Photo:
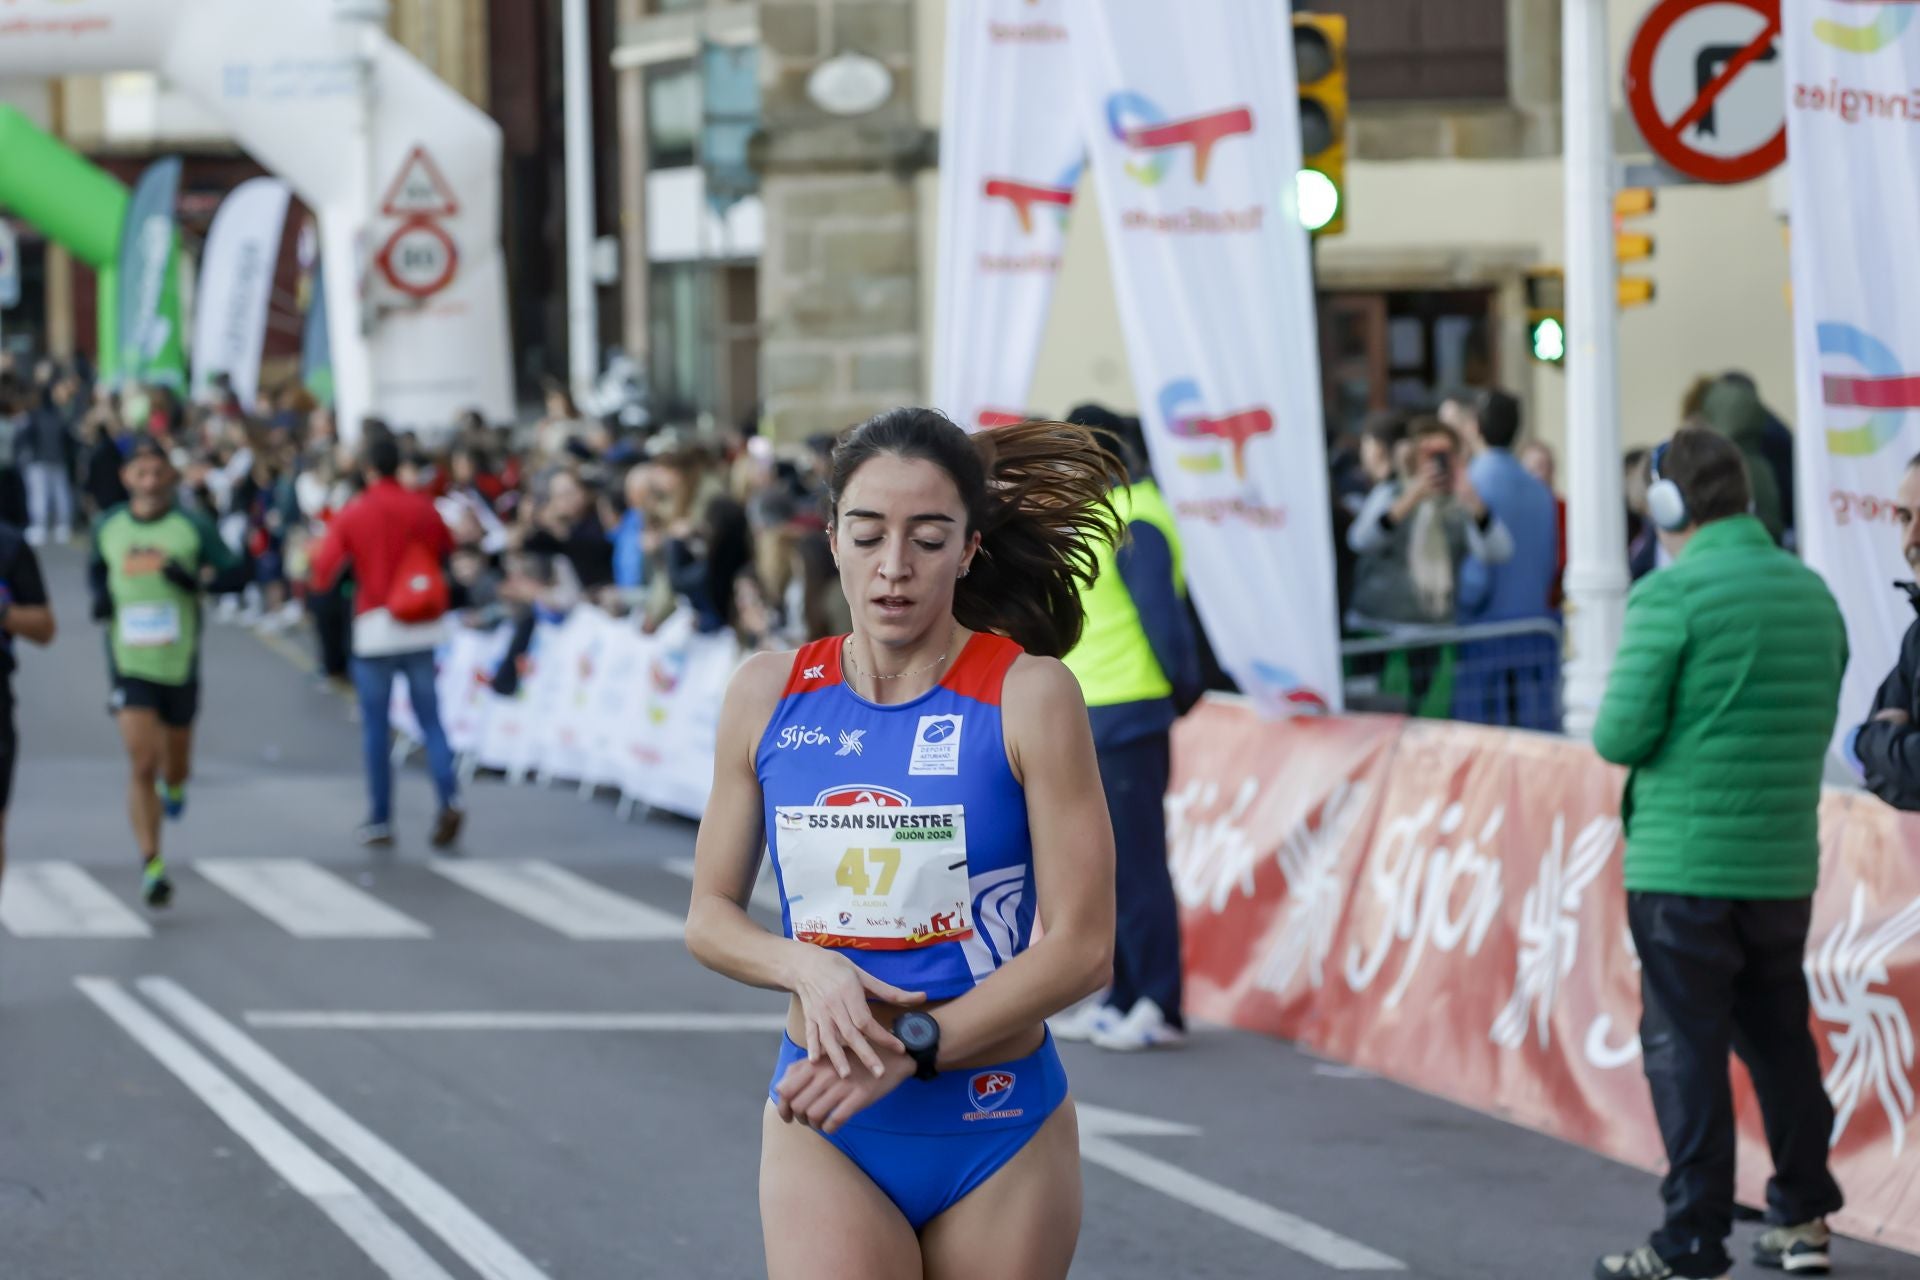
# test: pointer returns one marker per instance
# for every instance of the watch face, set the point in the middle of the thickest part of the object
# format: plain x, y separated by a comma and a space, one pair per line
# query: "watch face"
916, 1031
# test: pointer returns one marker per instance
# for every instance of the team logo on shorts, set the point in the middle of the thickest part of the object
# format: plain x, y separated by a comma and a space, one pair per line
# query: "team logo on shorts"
990, 1090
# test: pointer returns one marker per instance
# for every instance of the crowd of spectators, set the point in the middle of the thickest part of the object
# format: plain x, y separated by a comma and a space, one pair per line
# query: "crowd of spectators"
1443, 519
544, 517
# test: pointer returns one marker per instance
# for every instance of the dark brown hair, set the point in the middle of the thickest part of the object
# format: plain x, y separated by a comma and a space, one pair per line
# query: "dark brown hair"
1036, 492
1710, 472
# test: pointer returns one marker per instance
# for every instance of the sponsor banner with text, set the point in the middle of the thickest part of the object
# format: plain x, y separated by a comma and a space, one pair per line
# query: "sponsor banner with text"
1192, 131
1853, 129
1442, 904
1010, 154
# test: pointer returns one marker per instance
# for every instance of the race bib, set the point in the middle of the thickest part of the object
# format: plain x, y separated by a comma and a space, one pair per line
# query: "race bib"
891, 879
149, 626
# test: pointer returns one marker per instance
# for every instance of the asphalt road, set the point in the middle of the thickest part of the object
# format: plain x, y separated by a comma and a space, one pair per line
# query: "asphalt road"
318, 1065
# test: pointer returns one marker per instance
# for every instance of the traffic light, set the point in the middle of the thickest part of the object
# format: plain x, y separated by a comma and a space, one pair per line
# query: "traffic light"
1547, 314
1320, 66
1632, 246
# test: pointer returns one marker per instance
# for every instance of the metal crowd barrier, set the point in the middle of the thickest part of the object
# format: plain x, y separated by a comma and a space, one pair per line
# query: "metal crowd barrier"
1503, 673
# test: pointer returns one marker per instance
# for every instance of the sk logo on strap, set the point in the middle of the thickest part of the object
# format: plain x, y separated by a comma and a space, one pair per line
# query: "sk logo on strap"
815, 673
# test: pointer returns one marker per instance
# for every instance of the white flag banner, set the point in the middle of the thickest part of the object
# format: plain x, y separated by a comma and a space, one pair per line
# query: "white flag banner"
1010, 154
236, 282
1193, 132
1851, 71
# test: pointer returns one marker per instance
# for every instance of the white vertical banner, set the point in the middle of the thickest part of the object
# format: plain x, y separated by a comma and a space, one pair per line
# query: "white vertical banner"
1010, 153
1851, 71
236, 283
1193, 131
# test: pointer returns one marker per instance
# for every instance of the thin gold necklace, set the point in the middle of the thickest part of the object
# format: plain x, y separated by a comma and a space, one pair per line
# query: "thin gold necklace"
903, 674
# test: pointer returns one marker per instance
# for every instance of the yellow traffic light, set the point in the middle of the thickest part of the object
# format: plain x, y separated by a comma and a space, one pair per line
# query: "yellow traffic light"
1632, 246
1320, 65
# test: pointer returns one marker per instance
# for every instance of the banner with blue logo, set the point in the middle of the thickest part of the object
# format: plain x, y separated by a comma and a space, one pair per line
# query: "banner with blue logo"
1192, 124
1853, 131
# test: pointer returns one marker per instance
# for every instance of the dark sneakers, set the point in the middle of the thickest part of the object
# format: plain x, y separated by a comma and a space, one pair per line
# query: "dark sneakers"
1642, 1264
1803, 1248
446, 827
155, 888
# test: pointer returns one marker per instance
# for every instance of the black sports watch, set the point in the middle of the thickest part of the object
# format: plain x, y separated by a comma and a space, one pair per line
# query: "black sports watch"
921, 1036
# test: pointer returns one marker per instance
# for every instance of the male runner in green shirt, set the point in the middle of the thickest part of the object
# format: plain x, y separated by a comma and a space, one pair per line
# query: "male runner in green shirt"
150, 562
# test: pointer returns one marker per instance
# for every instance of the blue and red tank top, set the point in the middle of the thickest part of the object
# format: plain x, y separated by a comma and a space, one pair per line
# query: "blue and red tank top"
899, 833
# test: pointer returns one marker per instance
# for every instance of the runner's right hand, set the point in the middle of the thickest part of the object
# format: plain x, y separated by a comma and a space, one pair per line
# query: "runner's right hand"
834, 993
179, 575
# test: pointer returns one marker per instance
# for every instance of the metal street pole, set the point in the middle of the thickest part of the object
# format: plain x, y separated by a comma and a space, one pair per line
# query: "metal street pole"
583, 316
1596, 579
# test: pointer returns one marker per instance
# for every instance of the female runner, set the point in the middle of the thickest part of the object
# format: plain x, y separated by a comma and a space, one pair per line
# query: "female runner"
924, 783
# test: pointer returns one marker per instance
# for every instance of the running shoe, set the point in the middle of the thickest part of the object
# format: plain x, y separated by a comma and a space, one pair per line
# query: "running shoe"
1144, 1027
1083, 1019
172, 799
154, 885
375, 835
446, 827
1642, 1264
1802, 1248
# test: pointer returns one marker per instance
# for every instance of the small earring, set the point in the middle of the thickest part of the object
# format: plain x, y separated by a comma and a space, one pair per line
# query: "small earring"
965, 569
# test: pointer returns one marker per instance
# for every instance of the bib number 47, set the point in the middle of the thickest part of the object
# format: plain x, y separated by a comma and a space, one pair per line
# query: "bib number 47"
852, 873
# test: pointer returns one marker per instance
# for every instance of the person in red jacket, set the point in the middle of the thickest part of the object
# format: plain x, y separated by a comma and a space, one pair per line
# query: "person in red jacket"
393, 538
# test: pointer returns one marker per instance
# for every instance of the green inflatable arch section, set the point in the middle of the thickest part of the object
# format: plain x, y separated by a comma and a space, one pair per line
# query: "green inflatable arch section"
80, 207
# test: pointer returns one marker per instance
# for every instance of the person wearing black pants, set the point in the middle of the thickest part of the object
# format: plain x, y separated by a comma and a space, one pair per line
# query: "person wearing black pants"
1721, 703
1139, 667
1719, 974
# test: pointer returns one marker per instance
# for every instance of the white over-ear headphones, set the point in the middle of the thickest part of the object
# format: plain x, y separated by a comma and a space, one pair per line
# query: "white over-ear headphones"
1665, 503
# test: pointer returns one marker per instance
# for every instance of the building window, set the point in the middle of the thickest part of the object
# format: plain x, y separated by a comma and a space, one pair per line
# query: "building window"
1406, 50
673, 116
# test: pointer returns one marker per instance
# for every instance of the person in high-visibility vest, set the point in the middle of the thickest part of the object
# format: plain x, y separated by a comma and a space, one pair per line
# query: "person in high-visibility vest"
1139, 667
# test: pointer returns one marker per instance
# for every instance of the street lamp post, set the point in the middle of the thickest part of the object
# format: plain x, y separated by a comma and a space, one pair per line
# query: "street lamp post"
1596, 517
583, 316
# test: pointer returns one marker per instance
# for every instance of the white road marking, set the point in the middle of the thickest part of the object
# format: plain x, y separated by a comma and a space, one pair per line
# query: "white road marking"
1309, 1239
766, 889
60, 900
354, 1020
562, 901
307, 901
483, 1249
392, 1250
1104, 1122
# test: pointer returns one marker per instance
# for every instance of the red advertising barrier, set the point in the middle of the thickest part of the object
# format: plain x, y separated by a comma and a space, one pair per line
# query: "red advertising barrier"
1442, 904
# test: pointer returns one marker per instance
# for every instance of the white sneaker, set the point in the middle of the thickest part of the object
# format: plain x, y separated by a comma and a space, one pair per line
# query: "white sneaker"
1144, 1027
1082, 1020
36, 537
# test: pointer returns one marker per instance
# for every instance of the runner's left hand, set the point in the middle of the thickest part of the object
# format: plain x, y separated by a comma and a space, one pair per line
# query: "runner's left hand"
817, 1096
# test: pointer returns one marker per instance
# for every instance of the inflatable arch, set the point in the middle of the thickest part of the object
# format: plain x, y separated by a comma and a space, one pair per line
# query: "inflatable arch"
80, 207
402, 171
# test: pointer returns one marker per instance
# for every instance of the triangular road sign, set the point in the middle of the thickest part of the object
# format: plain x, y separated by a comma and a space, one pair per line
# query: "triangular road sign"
419, 190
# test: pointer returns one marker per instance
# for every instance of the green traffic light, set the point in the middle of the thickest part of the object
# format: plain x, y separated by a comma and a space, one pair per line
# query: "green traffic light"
1549, 340
1317, 198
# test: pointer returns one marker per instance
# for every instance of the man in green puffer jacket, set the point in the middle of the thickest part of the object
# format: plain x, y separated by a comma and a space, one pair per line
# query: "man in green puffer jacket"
1721, 704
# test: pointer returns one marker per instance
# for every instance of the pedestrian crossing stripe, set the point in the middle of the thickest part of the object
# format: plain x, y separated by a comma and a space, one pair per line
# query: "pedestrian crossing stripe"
61, 899
561, 900
308, 902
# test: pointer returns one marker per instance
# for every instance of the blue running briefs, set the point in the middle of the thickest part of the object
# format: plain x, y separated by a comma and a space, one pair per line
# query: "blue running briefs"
930, 1142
